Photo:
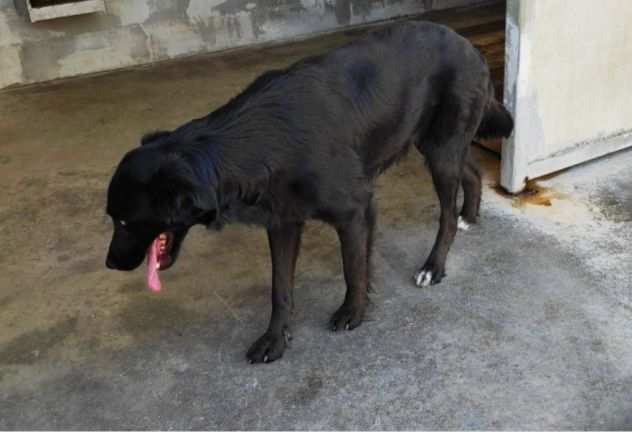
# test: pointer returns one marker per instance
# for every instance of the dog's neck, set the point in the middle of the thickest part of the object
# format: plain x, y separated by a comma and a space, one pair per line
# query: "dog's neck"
224, 152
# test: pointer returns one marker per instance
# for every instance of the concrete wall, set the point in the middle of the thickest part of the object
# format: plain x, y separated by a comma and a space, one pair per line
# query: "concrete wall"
134, 32
569, 83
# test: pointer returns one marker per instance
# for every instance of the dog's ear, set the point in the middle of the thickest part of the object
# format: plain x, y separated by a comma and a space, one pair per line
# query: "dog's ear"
179, 191
200, 204
154, 136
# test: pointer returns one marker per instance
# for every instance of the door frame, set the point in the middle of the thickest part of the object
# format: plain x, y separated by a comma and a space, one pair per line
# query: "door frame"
517, 165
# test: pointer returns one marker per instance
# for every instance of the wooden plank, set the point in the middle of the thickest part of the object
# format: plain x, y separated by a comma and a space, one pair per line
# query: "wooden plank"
475, 30
460, 19
488, 39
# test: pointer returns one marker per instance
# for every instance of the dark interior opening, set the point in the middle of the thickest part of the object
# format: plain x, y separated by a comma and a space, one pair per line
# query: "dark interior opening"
44, 3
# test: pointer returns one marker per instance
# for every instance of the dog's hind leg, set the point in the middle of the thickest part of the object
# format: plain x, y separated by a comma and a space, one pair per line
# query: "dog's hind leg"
370, 216
355, 236
446, 162
472, 189
284, 244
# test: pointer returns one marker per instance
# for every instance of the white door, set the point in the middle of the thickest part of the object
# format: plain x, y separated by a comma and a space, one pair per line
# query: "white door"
568, 82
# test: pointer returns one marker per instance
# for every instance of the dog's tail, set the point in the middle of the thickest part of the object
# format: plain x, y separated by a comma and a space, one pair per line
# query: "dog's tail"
497, 121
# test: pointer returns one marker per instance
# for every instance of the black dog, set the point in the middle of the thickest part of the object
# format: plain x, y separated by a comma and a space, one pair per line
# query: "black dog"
307, 142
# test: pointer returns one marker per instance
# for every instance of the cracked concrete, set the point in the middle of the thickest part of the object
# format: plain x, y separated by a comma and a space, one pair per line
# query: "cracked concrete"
531, 329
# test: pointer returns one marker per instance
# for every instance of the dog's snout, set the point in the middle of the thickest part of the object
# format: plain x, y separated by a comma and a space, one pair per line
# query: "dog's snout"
123, 263
109, 263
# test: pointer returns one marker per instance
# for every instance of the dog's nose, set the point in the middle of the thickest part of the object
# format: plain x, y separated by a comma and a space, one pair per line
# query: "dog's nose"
109, 263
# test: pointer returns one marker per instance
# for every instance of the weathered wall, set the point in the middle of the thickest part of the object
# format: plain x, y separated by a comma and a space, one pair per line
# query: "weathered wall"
134, 32
569, 83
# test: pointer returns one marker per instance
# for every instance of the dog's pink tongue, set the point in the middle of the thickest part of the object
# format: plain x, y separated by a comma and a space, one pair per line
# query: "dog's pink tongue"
153, 280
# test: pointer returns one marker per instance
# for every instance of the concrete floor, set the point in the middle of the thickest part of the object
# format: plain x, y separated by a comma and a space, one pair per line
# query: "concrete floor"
531, 329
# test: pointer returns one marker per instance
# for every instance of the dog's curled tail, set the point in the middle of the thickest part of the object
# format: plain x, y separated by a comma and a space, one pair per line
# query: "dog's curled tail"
497, 121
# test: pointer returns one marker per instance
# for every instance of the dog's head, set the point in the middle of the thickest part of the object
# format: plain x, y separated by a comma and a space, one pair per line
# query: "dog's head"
155, 194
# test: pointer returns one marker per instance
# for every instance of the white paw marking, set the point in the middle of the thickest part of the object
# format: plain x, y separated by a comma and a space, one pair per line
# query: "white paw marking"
462, 225
423, 278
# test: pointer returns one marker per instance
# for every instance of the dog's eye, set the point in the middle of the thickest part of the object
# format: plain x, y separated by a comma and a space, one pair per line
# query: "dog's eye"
123, 223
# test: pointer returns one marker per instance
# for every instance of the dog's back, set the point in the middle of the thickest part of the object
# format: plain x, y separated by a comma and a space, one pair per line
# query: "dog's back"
345, 116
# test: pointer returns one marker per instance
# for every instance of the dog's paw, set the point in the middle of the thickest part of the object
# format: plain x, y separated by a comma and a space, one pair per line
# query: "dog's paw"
346, 318
462, 224
269, 347
423, 278
427, 276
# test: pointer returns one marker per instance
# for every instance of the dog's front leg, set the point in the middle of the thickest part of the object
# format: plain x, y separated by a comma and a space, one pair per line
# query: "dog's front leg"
284, 247
355, 241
